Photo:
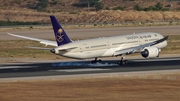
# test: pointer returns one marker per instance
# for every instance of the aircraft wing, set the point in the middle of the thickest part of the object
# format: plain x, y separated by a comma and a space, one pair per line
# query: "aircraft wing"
139, 48
46, 42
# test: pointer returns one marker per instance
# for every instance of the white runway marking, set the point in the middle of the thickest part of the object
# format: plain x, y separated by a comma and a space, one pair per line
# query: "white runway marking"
159, 59
99, 75
101, 65
80, 70
82, 64
16, 67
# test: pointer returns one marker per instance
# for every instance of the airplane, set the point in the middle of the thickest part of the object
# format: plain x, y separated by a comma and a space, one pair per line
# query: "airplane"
148, 44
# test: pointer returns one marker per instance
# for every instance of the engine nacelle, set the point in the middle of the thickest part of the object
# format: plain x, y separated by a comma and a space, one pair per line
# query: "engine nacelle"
150, 52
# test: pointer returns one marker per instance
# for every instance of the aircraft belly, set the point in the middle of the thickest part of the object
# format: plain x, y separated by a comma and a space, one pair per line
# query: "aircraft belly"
86, 54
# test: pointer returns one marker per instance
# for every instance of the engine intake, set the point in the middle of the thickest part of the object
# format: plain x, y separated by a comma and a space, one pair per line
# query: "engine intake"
150, 52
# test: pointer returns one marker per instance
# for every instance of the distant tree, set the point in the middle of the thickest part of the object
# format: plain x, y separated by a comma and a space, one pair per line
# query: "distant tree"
118, 8
93, 2
97, 4
42, 5
138, 8
54, 2
81, 3
158, 6
150, 8
107, 8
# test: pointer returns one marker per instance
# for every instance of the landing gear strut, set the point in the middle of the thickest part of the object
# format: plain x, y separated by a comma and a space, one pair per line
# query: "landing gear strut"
122, 61
95, 61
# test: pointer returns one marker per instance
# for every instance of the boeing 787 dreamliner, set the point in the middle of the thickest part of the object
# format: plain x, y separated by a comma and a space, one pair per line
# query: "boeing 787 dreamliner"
148, 44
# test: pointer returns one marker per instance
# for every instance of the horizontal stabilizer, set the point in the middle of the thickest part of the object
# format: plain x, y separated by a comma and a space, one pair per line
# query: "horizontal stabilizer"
46, 42
25, 37
41, 48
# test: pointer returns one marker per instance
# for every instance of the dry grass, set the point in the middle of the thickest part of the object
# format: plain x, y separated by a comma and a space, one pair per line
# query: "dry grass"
67, 13
173, 45
100, 18
18, 49
91, 89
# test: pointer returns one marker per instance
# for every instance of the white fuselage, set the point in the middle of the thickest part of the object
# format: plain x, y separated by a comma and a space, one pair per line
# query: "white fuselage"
106, 46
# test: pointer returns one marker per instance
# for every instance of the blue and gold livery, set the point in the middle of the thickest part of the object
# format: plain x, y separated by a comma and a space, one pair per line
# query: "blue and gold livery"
60, 35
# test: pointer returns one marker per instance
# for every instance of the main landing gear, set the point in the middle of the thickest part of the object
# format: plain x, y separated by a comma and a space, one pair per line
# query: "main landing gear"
96, 61
122, 61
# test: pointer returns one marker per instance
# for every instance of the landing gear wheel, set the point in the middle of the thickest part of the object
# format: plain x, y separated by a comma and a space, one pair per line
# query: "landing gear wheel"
99, 60
123, 62
96, 61
93, 61
126, 61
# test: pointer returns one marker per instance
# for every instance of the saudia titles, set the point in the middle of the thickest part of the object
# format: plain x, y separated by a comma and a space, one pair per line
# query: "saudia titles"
139, 37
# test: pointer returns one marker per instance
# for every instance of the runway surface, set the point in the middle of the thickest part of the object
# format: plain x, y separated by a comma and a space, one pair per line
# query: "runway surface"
86, 67
85, 33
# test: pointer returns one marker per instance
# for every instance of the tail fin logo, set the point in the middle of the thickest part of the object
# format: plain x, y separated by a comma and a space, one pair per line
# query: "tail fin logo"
60, 35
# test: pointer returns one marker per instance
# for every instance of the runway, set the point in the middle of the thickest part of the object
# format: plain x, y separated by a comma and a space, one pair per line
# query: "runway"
86, 67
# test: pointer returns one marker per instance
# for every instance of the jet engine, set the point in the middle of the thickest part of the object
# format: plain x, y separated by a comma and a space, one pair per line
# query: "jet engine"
150, 52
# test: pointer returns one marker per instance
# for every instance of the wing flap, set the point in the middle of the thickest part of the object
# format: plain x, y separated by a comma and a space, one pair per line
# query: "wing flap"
124, 51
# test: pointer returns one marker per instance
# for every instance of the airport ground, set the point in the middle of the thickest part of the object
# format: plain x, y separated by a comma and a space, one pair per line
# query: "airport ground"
139, 80
148, 86
90, 89
19, 52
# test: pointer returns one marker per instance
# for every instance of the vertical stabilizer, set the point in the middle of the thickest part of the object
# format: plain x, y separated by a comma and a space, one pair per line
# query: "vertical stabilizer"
60, 35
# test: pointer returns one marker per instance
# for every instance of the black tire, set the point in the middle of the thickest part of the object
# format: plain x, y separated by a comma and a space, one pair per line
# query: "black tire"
124, 62
93, 62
